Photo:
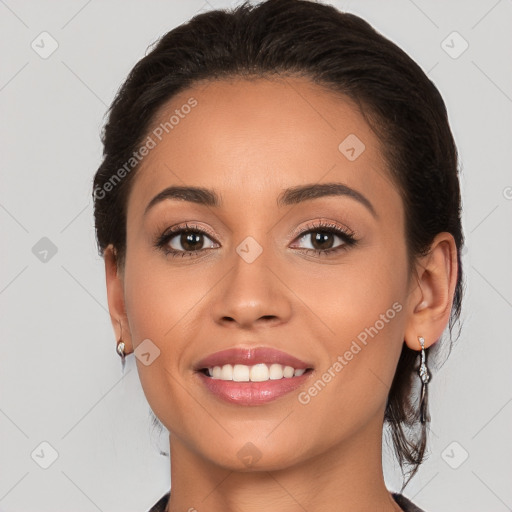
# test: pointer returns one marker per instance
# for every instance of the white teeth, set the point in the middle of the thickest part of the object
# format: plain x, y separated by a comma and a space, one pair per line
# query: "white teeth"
240, 373
256, 373
276, 371
288, 371
227, 372
259, 372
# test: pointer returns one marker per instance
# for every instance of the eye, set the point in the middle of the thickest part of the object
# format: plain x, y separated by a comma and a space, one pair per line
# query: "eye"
321, 237
184, 241
190, 240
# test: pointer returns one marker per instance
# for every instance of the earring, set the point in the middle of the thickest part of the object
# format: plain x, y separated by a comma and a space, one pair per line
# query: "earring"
120, 351
425, 377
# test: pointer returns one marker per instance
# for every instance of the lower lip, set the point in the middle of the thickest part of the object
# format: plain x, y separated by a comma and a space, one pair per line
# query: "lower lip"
253, 393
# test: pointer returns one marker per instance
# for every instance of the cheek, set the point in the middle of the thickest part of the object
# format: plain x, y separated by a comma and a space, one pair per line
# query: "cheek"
164, 304
348, 297
149, 304
157, 304
359, 313
157, 296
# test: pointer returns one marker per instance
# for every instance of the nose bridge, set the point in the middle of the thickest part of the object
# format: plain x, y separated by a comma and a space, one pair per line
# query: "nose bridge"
251, 293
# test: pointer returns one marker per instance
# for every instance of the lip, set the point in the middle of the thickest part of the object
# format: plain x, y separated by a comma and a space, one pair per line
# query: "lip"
250, 357
252, 393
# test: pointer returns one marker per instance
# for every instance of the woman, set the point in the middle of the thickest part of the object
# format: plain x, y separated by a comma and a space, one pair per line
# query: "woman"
279, 212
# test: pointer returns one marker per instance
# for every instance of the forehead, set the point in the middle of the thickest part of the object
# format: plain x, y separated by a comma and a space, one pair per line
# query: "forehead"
249, 139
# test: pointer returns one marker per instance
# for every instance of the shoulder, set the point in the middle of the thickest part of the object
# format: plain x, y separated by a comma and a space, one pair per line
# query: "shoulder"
406, 504
160, 505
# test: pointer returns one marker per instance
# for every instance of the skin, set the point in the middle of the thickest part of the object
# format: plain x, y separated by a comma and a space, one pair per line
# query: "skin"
249, 140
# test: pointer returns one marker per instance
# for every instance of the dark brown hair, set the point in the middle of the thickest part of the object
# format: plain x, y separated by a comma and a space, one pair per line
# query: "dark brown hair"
344, 54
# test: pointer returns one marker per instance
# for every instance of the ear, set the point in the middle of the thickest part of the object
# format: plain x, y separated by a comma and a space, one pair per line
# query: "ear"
431, 294
115, 295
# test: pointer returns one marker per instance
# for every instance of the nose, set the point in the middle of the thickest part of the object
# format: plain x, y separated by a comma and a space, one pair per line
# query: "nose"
253, 294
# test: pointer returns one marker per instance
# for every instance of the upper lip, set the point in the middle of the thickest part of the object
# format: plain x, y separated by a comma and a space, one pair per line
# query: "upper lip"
251, 356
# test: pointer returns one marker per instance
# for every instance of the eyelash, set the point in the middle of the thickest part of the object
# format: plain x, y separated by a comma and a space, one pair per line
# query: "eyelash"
347, 236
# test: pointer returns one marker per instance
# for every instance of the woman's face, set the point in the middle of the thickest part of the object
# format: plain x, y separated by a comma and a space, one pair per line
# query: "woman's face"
262, 274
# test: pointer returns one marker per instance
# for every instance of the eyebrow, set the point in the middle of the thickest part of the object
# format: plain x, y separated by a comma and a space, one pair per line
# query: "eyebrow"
295, 195
290, 196
198, 195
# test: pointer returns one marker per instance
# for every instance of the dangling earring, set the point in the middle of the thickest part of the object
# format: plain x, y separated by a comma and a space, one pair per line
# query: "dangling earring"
120, 351
425, 377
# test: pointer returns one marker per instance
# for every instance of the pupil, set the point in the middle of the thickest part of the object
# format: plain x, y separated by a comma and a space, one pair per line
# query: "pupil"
188, 241
321, 238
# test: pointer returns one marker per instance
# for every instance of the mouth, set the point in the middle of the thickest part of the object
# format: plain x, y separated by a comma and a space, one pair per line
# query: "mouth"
252, 376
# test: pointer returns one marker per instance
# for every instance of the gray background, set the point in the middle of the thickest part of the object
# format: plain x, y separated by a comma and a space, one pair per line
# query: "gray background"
60, 378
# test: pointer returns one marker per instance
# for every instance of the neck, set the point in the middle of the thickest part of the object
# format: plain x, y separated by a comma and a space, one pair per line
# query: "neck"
346, 477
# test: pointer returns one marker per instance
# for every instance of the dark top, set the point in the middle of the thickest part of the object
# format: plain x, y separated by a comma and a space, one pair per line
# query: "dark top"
405, 504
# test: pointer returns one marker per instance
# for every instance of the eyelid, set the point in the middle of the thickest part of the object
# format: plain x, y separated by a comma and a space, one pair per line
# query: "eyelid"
316, 224
189, 226
323, 223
